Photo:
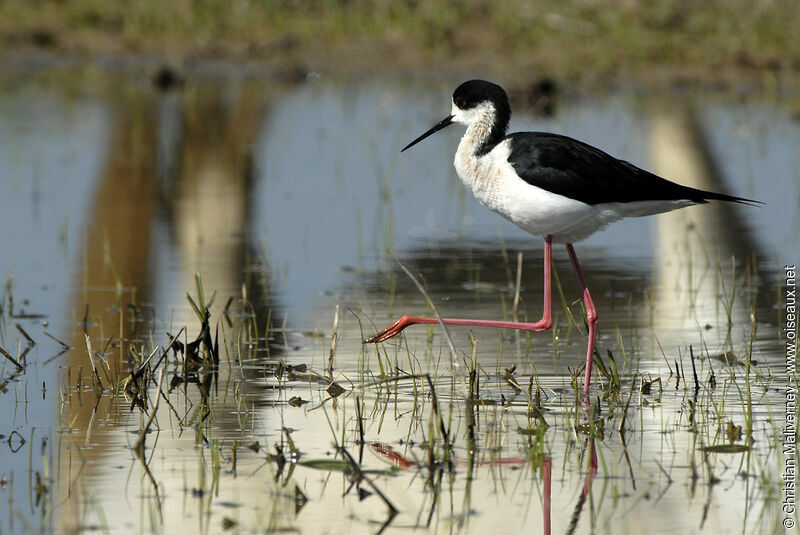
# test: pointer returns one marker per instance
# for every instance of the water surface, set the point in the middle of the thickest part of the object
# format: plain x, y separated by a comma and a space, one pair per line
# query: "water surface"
291, 201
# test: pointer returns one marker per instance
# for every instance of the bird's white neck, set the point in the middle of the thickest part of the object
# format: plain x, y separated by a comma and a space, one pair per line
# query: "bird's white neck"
480, 122
477, 164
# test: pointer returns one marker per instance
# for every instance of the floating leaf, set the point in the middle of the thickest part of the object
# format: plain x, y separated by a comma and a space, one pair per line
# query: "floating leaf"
532, 431
726, 448
331, 465
309, 377
734, 432
731, 358
508, 376
300, 499
335, 390
296, 401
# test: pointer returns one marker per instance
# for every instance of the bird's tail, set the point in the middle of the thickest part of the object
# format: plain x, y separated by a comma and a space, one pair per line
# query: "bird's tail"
706, 196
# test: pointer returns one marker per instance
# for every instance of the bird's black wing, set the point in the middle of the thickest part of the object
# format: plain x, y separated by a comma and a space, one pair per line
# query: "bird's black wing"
568, 167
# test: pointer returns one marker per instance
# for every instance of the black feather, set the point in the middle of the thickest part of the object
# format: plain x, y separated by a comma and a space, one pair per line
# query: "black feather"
568, 167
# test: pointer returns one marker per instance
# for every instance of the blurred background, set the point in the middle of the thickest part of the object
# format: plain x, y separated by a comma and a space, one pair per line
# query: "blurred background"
256, 143
720, 42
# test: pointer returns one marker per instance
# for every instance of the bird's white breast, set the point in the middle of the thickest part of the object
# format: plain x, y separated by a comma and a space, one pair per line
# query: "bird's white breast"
493, 181
482, 175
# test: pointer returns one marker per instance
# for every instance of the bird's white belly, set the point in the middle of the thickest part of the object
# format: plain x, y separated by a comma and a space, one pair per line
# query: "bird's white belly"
533, 209
547, 214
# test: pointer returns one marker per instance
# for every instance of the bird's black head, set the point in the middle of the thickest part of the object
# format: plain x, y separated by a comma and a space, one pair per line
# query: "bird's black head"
477, 101
473, 93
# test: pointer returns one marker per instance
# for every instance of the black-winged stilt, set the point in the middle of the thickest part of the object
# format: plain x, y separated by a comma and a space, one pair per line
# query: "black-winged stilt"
549, 185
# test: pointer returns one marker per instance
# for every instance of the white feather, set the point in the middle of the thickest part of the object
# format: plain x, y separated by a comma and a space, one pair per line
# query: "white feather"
493, 181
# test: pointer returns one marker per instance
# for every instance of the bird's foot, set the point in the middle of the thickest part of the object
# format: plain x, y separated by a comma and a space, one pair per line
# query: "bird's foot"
392, 330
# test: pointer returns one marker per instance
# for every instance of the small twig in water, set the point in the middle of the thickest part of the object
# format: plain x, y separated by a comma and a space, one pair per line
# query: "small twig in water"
360, 475
31, 343
694, 371
12, 359
91, 359
334, 338
139, 446
451, 345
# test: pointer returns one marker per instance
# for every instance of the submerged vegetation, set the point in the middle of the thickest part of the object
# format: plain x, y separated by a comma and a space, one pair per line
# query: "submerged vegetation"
215, 401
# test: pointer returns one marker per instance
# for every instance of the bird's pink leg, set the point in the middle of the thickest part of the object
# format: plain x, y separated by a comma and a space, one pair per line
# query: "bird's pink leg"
542, 325
591, 317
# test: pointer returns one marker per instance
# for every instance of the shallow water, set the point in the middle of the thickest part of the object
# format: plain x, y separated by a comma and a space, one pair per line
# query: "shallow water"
291, 201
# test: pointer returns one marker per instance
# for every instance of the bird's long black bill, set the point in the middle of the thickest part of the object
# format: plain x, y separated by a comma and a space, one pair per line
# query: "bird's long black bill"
447, 121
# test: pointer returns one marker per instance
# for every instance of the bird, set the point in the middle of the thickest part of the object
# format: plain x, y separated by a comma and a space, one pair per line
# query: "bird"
551, 186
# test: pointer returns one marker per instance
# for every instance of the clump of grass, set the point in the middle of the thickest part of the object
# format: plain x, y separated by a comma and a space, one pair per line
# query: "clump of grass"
502, 422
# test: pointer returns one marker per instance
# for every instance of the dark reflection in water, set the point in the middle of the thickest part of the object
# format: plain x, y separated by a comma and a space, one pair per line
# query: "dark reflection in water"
481, 283
176, 183
194, 212
289, 201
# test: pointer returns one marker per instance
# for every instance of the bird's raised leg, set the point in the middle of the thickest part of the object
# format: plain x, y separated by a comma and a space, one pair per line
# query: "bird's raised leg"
542, 325
591, 317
